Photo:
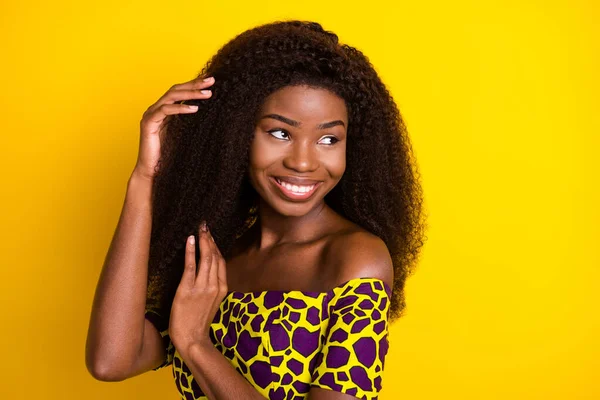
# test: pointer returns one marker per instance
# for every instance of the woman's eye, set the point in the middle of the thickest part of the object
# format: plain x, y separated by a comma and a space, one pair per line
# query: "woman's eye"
278, 133
332, 140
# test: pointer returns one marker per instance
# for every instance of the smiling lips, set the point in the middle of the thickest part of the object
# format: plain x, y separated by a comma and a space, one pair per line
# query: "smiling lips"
296, 190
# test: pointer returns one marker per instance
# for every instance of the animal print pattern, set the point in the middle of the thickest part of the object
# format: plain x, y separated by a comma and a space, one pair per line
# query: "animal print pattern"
284, 342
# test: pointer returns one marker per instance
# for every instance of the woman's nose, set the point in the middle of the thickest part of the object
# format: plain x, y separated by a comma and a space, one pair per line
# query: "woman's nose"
301, 158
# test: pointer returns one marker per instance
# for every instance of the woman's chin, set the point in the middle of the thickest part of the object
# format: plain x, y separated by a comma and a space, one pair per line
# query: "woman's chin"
293, 209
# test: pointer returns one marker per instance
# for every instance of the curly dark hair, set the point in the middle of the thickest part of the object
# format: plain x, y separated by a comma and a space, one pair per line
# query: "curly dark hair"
202, 172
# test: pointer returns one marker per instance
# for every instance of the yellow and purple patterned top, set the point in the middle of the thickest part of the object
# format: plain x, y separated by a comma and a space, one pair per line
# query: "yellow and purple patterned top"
284, 342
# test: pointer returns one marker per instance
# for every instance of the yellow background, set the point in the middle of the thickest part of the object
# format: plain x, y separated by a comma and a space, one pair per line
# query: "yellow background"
501, 100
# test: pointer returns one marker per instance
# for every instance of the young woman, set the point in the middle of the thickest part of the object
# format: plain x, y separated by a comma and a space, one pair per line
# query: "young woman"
269, 226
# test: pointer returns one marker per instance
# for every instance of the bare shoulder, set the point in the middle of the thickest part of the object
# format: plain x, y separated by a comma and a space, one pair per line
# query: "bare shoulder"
358, 253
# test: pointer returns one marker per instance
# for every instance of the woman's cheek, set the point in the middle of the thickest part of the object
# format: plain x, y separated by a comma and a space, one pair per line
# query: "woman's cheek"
335, 163
263, 152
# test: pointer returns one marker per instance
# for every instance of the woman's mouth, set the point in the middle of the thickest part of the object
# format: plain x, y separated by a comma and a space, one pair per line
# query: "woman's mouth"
295, 191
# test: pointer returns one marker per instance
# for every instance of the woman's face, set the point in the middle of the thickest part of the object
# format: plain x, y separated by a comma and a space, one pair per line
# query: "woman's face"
298, 153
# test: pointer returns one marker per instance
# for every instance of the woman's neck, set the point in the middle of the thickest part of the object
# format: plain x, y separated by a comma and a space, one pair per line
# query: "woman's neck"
273, 229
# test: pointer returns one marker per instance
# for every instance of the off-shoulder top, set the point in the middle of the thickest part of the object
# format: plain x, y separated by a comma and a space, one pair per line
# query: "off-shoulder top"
284, 342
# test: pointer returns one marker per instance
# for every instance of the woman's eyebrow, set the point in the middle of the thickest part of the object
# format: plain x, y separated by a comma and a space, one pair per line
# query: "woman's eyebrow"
330, 124
296, 124
283, 119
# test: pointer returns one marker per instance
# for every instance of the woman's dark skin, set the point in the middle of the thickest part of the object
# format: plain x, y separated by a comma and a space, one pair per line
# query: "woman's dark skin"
294, 245
121, 342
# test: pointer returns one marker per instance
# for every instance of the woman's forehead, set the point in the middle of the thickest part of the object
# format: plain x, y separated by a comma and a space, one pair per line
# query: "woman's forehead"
305, 103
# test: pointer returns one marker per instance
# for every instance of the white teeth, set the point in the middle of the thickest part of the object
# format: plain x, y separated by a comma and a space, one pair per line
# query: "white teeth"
295, 188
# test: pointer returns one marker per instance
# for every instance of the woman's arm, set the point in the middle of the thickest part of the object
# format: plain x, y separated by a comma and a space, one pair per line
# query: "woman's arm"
216, 376
120, 342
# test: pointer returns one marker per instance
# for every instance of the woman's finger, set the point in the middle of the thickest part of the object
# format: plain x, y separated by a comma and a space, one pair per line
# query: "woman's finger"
205, 258
188, 94
221, 271
169, 109
198, 82
189, 270
179, 97
213, 280
193, 89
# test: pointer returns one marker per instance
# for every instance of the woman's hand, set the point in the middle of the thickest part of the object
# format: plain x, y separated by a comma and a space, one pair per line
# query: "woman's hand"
153, 120
199, 295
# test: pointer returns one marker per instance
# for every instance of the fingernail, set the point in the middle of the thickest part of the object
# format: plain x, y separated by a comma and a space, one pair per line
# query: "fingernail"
192, 239
205, 91
203, 226
208, 79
